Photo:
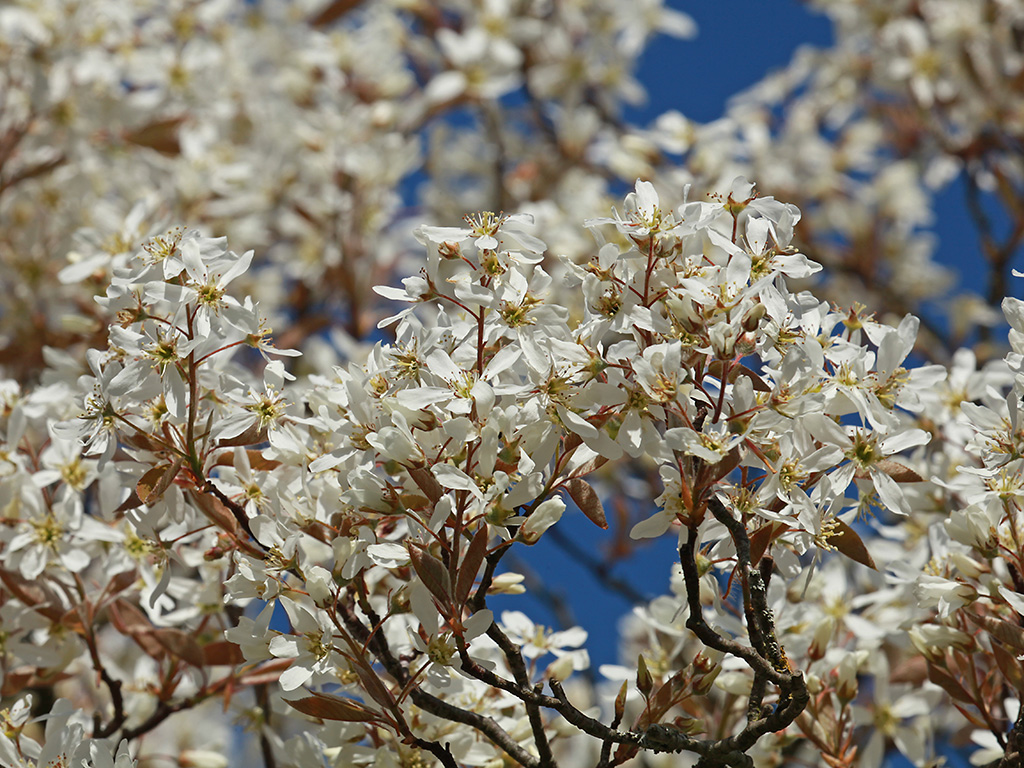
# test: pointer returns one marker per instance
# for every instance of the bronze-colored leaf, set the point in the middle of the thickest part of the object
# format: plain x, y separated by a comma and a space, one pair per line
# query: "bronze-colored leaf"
215, 510
898, 471
251, 436
727, 464
155, 481
427, 483
256, 460
849, 543
948, 683
222, 653
122, 581
414, 501
620, 702
73, 620
159, 135
587, 500
127, 618
471, 562
373, 684
433, 574
762, 538
132, 502
591, 466
179, 644
735, 371
1006, 632
324, 706
35, 594
1010, 667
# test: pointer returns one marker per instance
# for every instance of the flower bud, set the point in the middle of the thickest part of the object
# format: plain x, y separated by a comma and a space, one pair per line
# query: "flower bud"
319, 585
821, 638
752, 319
542, 518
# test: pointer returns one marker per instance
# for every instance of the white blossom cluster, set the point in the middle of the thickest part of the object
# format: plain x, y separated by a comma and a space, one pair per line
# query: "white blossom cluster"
374, 504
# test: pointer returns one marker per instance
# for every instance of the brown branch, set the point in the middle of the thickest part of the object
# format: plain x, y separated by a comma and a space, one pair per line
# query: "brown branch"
485, 725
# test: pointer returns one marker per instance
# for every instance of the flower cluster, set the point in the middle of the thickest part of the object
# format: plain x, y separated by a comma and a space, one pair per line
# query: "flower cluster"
373, 506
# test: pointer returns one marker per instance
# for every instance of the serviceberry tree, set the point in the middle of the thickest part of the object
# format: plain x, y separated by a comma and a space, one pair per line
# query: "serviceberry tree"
262, 507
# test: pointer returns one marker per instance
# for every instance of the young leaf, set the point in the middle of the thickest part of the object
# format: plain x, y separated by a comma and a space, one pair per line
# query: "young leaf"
587, 500
153, 483
1006, 632
898, 471
644, 681
471, 563
762, 538
179, 644
222, 653
948, 683
849, 543
620, 703
433, 574
324, 706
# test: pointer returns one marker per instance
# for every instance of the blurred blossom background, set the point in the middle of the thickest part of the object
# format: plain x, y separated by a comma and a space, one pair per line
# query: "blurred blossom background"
323, 134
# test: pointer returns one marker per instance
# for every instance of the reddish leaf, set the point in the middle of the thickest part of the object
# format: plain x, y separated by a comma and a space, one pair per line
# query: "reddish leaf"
849, 543
128, 619
154, 482
948, 683
728, 463
414, 501
471, 563
372, 684
427, 483
251, 436
898, 471
1010, 667
324, 706
591, 466
132, 502
215, 510
256, 460
762, 538
222, 653
587, 500
16, 681
179, 644
1006, 632
433, 574
159, 135
34, 594
122, 581
333, 11
620, 702
73, 620
735, 371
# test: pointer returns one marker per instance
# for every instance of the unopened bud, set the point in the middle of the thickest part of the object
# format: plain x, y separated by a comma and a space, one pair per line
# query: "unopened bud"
752, 319
542, 518
746, 343
822, 638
